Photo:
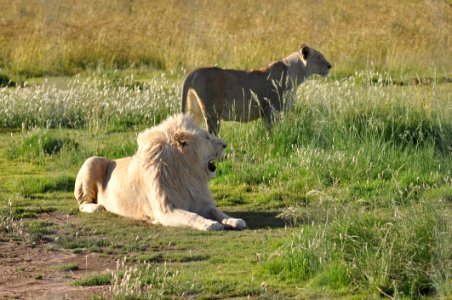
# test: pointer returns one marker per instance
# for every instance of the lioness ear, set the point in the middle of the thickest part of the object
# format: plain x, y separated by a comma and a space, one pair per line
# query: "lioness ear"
304, 49
181, 138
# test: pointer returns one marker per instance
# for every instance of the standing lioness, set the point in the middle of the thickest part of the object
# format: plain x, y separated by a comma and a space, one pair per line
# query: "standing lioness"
235, 95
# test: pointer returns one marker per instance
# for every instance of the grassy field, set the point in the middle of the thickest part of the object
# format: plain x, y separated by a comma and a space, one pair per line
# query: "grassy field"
359, 172
407, 38
350, 196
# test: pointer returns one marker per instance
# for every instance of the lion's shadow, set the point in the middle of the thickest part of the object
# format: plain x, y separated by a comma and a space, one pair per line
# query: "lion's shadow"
258, 220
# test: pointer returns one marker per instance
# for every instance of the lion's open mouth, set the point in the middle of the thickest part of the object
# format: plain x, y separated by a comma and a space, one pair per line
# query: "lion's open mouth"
211, 166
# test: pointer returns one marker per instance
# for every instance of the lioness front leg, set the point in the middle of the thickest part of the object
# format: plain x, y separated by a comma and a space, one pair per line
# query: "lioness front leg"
226, 220
183, 218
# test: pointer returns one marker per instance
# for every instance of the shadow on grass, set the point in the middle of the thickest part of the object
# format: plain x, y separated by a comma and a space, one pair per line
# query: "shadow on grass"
257, 220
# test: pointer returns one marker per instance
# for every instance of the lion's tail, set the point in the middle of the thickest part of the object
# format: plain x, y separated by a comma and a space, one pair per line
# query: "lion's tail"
186, 86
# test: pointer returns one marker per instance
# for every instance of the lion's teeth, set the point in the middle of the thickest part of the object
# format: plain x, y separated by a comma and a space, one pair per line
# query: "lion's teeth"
212, 167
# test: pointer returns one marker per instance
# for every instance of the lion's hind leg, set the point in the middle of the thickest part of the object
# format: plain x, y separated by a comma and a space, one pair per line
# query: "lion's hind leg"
87, 184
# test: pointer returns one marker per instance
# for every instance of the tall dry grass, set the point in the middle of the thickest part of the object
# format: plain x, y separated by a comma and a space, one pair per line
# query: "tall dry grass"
65, 37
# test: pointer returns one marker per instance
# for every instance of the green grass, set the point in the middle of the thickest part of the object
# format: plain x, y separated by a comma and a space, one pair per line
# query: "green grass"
396, 254
27, 187
93, 280
40, 144
361, 170
67, 267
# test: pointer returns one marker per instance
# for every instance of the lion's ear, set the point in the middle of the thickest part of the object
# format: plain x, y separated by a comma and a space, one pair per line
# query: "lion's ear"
304, 49
181, 138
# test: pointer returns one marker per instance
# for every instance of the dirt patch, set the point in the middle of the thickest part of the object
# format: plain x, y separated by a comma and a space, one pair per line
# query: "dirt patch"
34, 271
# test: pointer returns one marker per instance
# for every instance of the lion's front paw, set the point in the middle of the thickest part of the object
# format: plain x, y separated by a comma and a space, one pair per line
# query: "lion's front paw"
234, 223
91, 207
213, 226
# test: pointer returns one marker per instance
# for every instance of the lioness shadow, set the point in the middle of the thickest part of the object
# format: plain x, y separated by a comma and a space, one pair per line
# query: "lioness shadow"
257, 220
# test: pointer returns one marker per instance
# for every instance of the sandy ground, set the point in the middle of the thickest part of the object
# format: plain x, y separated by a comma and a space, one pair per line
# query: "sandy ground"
30, 271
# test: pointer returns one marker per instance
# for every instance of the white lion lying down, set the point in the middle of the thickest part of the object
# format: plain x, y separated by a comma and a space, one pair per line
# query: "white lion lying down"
165, 182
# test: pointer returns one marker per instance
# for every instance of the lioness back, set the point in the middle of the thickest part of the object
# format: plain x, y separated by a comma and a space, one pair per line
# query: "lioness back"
212, 93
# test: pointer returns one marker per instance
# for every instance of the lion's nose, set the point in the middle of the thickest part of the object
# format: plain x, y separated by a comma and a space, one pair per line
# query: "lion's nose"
329, 66
224, 145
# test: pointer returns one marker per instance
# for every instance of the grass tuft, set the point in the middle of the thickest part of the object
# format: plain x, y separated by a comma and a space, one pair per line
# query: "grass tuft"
371, 252
146, 280
94, 280
28, 187
67, 267
40, 144
11, 226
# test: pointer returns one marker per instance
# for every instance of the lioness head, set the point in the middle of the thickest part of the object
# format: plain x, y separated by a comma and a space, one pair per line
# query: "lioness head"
314, 61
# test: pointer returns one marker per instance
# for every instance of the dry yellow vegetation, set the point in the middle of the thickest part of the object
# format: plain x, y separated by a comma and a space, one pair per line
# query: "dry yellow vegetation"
65, 37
